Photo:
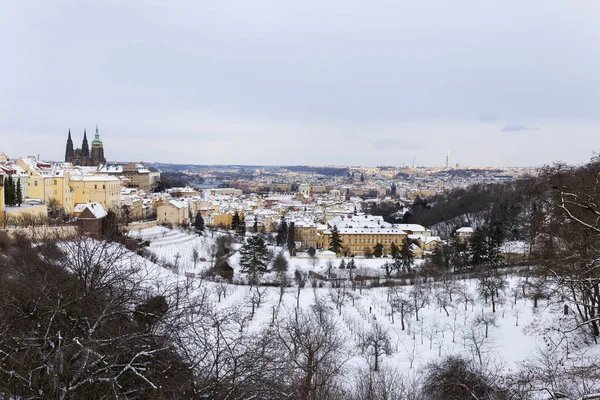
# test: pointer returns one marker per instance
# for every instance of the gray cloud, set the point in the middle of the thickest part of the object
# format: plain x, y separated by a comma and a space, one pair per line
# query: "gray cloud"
191, 79
487, 117
517, 128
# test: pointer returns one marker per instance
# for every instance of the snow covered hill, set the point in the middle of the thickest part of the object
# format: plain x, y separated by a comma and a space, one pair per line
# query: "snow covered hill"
453, 316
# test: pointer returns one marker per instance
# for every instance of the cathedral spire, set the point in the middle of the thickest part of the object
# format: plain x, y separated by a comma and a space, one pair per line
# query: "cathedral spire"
97, 139
85, 148
69, 149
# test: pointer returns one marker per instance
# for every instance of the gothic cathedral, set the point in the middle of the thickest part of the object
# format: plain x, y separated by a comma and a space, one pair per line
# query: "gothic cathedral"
82, 156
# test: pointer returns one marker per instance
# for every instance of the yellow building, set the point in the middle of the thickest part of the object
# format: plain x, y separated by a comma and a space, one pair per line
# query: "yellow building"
48, 183
306, 234
102, 189
356, 242
360, 233
172, 212
224, 220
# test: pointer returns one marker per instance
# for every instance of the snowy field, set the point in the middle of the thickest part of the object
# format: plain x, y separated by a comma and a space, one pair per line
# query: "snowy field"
453, 319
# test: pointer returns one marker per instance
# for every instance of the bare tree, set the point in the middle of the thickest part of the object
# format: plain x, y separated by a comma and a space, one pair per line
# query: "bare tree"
419, 298
375, 342
492, 287
339, 296
400, 303
314, 351
464, 295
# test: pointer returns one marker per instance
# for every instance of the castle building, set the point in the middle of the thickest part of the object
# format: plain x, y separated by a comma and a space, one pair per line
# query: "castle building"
81, 156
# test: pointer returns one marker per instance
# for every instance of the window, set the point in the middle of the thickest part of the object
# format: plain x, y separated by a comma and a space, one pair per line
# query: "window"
103, 186
35, 183
95, 186
55, 182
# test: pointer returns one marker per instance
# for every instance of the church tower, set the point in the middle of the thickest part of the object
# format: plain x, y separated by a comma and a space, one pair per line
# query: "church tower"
69, 151
85, 148
97, 150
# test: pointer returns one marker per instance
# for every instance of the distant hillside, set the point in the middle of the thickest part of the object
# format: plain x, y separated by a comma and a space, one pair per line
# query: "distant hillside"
504, 204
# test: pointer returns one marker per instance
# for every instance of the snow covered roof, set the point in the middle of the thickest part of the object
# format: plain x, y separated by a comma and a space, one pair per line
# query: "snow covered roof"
94, 178
466, 229
95, 208
177, 203
429, 239
412, 227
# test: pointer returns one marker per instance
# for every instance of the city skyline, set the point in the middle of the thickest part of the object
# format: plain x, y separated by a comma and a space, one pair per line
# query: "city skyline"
268, 83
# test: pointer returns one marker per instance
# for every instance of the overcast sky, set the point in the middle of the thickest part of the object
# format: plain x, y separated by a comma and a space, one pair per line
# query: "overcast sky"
348, 82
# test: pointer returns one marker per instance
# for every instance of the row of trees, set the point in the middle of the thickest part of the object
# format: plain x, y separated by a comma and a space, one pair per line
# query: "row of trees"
286, 235
481, 249
13, 194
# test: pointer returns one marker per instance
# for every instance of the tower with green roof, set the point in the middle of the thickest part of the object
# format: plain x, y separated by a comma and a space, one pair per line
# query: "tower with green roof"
97, 150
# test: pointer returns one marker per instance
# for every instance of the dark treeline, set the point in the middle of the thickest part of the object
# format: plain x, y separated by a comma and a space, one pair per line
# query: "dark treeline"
506, 205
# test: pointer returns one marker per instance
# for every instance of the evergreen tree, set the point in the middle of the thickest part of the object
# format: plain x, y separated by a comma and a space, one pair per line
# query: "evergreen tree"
378, 250
477, 246
282, 231
199, 223
254, 257
351, 264
10, 194
255, 225
241, 228
235, 221
393, 190
457, 253
362, 177
342, 264
13, 195
406, 256
335, 242
7, 191
493, 244
291, 239
394, 250
439, 258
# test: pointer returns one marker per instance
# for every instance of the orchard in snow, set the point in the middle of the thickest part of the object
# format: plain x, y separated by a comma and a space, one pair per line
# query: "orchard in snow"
379, 334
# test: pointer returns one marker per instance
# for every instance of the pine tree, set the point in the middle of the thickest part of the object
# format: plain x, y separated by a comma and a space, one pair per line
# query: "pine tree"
241, 228
342, 264
477, 247
458, 253
254, 257
335, 242
351, 264
235, 221
19, 193
9, 191
13, 192
199, 223
255, 225
493, 244
291, 239
282, 231
6, 192
406, 256
378, 250
394, 250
